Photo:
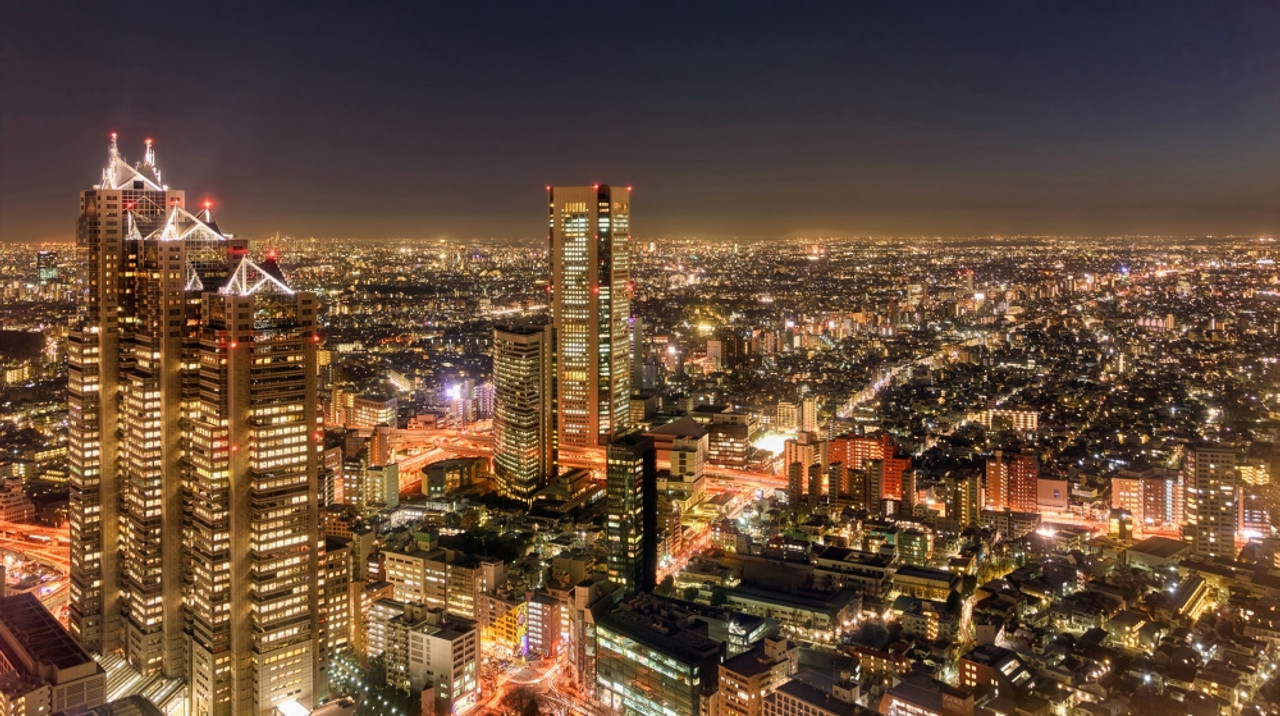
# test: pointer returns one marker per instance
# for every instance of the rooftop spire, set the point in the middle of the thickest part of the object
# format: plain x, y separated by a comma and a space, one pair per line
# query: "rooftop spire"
206, 215
113, 156
119, 174
149, 159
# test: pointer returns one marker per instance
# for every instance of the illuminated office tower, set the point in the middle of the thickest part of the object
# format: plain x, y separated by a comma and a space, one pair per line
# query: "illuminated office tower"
522, 420
191, 391
129, 203
1212, 484
631, 524
639, 352
589, 229
253, 537
158, 388
46, 267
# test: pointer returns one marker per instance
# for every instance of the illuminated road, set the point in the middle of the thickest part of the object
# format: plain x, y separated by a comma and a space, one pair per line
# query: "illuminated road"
50, 547
439, 444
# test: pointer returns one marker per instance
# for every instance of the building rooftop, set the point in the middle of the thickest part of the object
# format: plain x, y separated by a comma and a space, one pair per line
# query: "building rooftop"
911, 570
813, 695
750, 663
681, 427
1161, 547
26, 625
662, 634
830, 602
135, 705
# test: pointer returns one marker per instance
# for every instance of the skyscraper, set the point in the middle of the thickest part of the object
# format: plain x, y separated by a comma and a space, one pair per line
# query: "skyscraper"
1212, 484
129, 203
253, 539
631, 524
522, 421
193, 465
46, 267
589, 229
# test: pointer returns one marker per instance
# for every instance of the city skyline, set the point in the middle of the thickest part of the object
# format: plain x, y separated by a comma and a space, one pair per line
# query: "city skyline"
868, 410
932, 120
858, 476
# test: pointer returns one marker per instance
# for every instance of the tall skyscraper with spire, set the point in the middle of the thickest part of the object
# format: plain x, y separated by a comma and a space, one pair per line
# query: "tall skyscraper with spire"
193, 465
589, 232
106, 587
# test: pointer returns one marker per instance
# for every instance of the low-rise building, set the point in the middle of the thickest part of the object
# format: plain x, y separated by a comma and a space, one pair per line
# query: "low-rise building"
42, 669
431, 649
746, 679
866, 572
925, 582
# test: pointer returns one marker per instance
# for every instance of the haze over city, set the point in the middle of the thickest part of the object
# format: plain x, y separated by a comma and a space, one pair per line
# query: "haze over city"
748, 120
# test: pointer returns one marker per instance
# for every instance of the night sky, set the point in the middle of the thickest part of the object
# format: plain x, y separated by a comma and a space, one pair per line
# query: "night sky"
754, 120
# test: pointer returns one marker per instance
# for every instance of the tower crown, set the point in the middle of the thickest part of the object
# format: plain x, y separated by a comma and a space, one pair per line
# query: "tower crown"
119, 174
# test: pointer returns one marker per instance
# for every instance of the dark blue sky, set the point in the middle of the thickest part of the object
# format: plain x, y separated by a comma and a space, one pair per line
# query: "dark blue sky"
735, 119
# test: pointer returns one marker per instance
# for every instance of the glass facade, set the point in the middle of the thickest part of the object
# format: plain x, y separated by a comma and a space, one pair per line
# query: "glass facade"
591, 303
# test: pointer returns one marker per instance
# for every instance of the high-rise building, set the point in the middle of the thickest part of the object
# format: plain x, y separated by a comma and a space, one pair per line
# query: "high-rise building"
681, 447
805, 460
589, 230
1012, 484
1024, 480
746, 679
997, 477
46, 267
1126, 494
892, 470
194, 537
787, 417
639, 352
854, 451
809, 413
632, 523
1212, 484
431, 648
252, 541
523, 437
129, 203
968, 497
380, 446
